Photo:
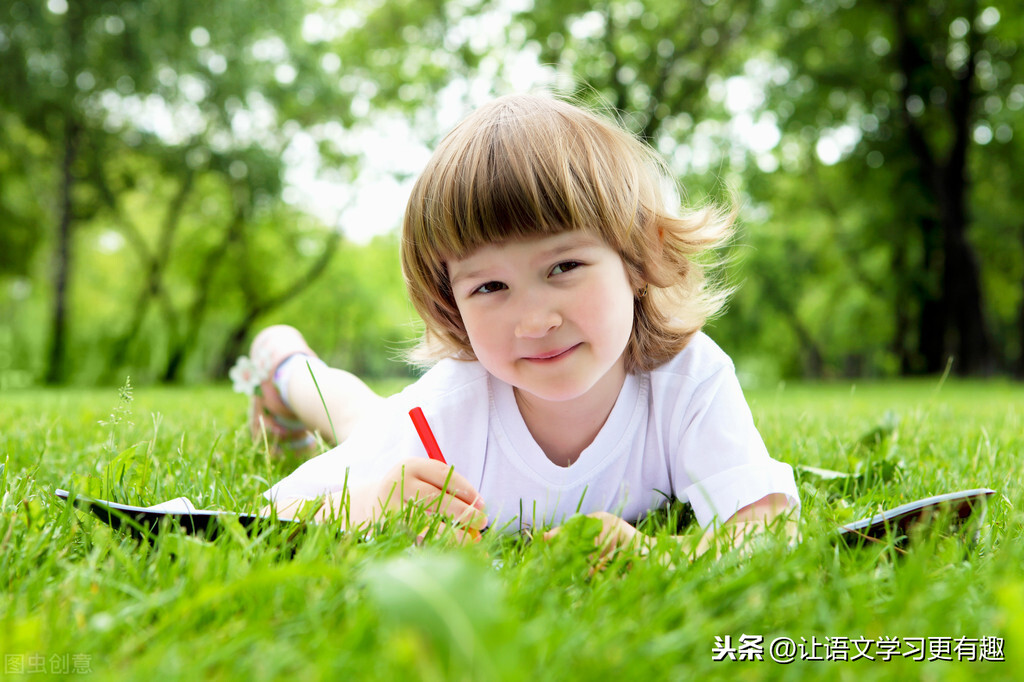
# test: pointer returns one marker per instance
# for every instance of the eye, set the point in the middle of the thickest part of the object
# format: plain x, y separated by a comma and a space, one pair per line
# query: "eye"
489, 288
565, 267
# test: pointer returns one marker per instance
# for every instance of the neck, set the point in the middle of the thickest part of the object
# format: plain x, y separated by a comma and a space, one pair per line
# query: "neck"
563, 429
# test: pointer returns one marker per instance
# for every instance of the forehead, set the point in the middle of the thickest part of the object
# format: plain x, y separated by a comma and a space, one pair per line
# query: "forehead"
526, 248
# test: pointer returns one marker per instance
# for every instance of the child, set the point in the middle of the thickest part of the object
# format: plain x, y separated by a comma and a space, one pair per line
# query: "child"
563, 305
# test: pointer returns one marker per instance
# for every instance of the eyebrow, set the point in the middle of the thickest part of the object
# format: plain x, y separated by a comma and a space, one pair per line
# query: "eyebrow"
559, 250
473, 274
580, 241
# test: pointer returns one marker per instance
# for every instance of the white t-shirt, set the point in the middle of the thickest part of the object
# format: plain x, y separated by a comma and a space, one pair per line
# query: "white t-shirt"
682, 431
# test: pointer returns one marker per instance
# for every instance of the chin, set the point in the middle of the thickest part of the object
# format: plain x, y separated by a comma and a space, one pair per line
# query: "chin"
555, 394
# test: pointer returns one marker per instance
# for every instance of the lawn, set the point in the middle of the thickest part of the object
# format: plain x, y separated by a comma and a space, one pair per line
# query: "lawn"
81, 599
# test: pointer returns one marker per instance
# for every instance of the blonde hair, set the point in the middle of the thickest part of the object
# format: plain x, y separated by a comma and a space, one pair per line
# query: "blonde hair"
531, 165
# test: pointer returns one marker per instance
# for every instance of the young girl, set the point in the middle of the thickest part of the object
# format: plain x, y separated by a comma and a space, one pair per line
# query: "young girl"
563, 305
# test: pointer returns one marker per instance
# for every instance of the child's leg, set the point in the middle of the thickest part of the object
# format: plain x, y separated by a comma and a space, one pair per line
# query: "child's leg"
290, 403
346, 399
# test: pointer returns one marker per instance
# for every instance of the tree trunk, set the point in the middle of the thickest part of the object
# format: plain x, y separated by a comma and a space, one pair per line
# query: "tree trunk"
811, 356
967, 326
56, 370
932, 348
902, 303
183, 346
256, 308
153, 288
952, 321
1019, 369
968, 334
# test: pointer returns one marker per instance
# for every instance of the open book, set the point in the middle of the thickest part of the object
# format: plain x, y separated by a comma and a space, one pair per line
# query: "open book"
956, 506
181, 512
140, 521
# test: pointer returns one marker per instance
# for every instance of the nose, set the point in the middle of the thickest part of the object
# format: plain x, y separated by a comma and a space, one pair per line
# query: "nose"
538, 316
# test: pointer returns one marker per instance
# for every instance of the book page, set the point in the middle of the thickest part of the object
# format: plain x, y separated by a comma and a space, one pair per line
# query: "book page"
179, 505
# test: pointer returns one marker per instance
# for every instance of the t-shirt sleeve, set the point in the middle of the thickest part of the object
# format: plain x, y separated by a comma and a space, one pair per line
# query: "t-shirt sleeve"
725, 465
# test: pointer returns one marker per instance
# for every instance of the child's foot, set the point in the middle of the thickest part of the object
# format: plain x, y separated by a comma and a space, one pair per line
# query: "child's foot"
268, 412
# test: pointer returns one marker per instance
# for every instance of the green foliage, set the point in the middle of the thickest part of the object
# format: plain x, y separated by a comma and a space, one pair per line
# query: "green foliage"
144, 146
904, 99
160, 134
20, 209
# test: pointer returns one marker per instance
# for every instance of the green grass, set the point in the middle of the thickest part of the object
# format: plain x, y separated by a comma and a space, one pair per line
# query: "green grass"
329, 606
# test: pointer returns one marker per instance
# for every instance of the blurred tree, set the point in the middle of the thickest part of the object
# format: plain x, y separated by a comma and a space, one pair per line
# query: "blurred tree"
651, 61
96, 82
358, 316
192, 103
901, 96
20, 210
145, 145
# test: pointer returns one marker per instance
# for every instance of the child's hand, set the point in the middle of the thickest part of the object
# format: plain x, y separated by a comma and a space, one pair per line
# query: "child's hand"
437, 487
615, 534
460, 535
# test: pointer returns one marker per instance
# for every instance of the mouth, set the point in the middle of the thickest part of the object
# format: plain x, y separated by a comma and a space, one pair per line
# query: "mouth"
553, 355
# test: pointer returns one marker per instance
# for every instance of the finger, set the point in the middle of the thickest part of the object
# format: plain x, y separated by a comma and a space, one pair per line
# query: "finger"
409, 489
606, 552
463, 536
457, 510
607, 546
437, 501
444, 477
599, 560
466, 536
614, 531
471, 517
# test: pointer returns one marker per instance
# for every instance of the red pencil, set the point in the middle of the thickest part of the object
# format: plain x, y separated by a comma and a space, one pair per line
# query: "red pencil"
426, 435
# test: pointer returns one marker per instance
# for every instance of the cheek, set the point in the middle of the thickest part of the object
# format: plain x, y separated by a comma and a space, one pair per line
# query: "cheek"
608, 312
622, 319
481, 332
615, 303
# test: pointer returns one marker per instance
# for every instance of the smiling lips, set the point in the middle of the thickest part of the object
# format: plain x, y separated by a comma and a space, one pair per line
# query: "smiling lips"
551, 356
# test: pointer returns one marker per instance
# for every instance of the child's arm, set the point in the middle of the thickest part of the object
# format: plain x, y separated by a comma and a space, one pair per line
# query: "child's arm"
413, 480
747, 522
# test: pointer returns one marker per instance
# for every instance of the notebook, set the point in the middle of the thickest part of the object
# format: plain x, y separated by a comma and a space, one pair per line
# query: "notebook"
959, 506
181, 513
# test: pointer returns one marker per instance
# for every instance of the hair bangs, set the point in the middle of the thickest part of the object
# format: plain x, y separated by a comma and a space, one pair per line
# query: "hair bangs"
529, 171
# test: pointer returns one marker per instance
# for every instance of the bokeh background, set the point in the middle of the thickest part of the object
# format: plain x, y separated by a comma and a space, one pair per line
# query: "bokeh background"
174, 175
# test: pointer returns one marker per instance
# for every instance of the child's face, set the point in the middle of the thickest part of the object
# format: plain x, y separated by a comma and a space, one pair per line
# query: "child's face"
549, 315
